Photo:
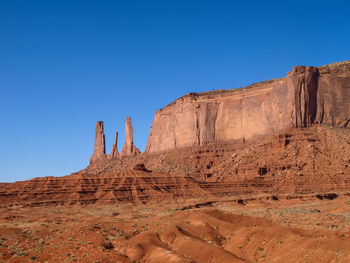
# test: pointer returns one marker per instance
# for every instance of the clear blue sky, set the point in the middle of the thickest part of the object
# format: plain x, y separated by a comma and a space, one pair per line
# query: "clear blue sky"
66, 64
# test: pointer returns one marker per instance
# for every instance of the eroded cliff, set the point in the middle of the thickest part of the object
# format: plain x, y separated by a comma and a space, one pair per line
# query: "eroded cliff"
307, 95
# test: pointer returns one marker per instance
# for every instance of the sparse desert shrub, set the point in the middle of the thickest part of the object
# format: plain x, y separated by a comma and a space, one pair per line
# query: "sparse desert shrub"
20, 253
107, 245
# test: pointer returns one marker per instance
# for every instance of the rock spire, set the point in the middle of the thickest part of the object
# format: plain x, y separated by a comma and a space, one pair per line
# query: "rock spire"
129, 148
100, 145
114, 152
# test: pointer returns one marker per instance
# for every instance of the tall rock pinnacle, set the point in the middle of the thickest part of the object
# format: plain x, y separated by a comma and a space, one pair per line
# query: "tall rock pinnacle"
129, 147
114, 152
100, 146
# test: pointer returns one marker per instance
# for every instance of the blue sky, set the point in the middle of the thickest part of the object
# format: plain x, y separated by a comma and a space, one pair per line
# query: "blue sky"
66, 64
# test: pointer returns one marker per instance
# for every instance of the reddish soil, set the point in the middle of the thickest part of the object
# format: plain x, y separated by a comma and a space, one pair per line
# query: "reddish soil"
282, 199
309, 230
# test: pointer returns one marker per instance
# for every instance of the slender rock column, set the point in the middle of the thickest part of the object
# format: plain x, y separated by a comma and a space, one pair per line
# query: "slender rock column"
100, 145
114, 153
129, 147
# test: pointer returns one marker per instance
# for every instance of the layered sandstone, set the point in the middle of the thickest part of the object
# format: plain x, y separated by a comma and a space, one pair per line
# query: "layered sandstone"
126, 186
310, 161
129, 148
306, 96
100, 145
297, 161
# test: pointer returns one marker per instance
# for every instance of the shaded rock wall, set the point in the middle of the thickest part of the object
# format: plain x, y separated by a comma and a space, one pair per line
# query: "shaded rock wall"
307, 95
333, 96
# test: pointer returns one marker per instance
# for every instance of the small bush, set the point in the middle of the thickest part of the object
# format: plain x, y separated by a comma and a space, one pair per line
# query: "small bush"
107, 245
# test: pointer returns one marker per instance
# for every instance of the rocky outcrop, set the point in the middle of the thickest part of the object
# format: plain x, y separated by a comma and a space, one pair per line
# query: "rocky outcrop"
129, 148
313, 160
100, 145
306, 96
114, 152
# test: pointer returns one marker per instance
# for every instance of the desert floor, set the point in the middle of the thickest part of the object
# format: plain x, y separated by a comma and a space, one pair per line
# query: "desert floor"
262, 230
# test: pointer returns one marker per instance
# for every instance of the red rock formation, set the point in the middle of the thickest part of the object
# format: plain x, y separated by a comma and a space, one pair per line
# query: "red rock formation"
307, 95
333, 107
314, 160
114, 152
125, 186
304, 81
129, 148
99, 146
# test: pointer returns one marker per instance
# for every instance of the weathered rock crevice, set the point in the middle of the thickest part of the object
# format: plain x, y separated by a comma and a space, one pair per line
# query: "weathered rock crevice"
304, 80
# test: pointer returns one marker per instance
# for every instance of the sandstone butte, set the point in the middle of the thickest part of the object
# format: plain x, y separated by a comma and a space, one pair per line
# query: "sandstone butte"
306, 96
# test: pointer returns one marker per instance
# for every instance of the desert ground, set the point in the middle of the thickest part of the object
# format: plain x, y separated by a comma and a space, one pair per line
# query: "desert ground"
264, 229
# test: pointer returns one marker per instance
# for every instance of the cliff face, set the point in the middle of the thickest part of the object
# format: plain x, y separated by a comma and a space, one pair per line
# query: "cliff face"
307, 95
333, 96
